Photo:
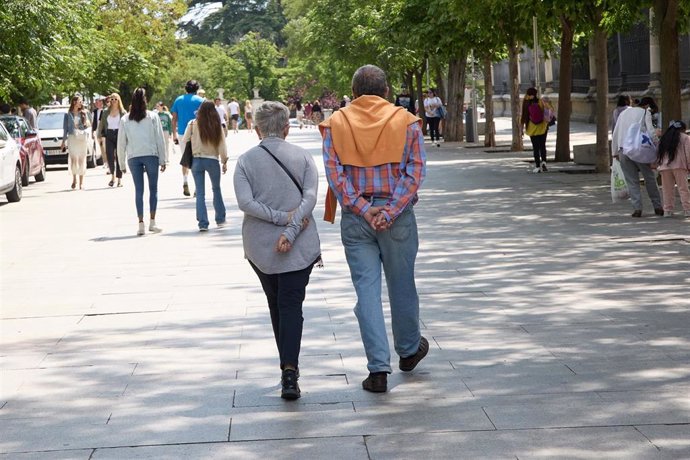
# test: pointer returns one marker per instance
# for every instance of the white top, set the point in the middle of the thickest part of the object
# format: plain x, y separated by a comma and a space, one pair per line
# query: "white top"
234, 108
114, 122
430, 106
626, 118
142, 138
222, 113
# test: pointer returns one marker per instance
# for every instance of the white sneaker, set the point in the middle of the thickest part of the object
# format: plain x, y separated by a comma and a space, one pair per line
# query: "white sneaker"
537, 170
153, 228
203, 229
142, 229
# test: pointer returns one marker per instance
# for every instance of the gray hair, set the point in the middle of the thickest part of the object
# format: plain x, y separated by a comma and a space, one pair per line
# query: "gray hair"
271, 117
369, 80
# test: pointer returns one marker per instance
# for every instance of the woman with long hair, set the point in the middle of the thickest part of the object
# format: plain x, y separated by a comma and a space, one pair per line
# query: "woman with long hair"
536, 125
674, 165
208, 145
76, 132
108, 128
432, 105
141, 146
248, 109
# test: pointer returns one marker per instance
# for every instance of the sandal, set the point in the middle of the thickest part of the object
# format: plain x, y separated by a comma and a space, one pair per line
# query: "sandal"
111, 183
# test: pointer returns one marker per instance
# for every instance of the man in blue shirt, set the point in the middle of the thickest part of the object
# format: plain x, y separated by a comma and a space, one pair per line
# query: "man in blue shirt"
183, 111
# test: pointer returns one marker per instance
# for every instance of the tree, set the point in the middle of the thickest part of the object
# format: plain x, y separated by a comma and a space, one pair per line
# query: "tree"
259, 57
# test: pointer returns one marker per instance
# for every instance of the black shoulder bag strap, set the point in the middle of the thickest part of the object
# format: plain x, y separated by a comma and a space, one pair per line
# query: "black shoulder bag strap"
299, 187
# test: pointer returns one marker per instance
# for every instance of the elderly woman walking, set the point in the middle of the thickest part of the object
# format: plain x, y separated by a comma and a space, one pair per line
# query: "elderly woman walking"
140, 146
276, 185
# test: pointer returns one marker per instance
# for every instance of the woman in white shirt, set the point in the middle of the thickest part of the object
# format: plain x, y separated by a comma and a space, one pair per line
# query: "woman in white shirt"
141, 146
432, 105
108, 127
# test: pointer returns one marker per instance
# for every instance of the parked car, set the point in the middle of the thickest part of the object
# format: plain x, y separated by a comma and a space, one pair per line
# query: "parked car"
30, 149
49, 122
10, 167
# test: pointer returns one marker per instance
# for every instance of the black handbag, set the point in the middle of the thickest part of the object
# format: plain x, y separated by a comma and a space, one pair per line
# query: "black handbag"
187, 157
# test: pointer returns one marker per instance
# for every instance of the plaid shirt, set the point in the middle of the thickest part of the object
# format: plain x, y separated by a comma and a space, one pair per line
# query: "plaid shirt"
397, 182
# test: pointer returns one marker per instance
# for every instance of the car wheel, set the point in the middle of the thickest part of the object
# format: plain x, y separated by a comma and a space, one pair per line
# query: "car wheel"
15, 194
25, 176
41, 176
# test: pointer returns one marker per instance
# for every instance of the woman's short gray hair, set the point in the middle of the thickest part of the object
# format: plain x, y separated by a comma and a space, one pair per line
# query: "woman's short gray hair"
271, 118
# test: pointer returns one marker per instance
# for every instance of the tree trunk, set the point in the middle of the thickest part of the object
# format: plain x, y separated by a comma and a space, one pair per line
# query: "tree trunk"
515, 112
418, 93
564, 90
440, 85
666, 25
602, 104
489, 131
454, 129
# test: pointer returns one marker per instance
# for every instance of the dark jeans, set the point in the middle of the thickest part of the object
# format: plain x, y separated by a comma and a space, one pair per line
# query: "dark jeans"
138, 166
539, 148
285, 294
111, 152
433, 127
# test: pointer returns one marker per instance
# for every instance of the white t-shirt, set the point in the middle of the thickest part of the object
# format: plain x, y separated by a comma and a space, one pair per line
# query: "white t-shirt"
114, 122
234, 108
221, 113
428, 103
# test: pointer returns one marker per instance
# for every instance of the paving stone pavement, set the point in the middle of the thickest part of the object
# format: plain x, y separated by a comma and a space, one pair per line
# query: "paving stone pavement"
558, 326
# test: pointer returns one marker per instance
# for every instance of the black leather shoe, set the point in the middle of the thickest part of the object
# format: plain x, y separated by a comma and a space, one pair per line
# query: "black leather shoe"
637, 213
290, 386
409, 363
377, 382
659, 211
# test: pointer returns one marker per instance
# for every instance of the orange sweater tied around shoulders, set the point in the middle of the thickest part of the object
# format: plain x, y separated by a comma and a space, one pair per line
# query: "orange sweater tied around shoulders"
369, 132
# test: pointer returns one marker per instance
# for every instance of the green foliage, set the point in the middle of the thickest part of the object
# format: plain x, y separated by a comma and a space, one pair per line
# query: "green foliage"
259, 57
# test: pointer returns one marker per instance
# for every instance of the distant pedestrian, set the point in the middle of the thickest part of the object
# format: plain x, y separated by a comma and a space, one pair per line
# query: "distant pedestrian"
166, 123
208, 145
432, 107
674, 166
535, 125
76, 133
248, 110
28, 112
108, 128
183, 111
234, 109
375, 163
316, 113
631, 168
141, 146
299, 114
279, 234
404, 100
223, 115
622, 104
308, 114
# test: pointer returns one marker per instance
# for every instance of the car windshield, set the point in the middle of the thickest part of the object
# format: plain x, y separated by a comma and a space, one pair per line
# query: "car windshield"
12, 127
50, 120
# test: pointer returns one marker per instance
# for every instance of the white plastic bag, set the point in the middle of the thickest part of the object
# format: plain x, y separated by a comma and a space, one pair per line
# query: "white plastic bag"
638, 144
619, 189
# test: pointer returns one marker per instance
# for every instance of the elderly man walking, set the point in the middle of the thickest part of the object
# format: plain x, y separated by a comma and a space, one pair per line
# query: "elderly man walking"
375, 162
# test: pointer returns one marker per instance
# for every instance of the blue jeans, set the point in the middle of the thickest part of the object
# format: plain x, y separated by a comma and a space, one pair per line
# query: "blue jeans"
631, 173
138, 166
200, 167
396, 249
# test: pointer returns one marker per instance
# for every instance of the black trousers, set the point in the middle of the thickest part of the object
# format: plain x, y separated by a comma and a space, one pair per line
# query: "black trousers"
539, 148
111, 152
285, 294
433, 127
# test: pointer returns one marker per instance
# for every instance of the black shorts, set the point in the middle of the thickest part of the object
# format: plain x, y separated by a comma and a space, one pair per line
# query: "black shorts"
235, 117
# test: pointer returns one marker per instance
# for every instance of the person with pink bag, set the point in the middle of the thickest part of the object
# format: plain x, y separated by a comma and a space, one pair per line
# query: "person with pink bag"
674, 165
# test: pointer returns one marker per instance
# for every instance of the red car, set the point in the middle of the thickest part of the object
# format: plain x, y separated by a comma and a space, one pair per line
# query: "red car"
31, 150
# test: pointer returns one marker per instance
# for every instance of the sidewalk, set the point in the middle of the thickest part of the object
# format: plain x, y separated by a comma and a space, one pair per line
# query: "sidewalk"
558, 327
